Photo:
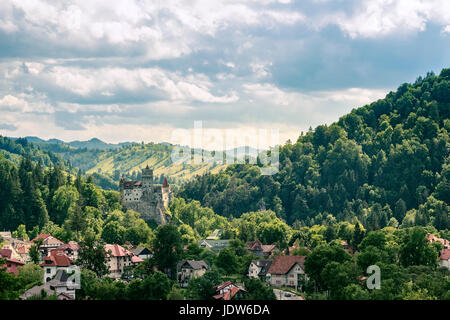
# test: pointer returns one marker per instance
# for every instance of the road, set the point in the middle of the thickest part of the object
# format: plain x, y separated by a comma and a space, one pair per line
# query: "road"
281, 295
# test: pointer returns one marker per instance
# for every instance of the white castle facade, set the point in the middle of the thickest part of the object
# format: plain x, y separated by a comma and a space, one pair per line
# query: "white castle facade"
149, 199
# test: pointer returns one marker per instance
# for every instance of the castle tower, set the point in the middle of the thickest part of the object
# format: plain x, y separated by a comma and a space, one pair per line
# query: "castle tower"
147, 178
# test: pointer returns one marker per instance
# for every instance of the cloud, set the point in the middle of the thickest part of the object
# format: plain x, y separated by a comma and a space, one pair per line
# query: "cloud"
129, 68
374, 18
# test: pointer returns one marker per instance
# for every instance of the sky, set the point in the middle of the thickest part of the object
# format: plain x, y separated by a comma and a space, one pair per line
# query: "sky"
139, 70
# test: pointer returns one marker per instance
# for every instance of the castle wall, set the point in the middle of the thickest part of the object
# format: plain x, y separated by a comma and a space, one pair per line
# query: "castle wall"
151, 201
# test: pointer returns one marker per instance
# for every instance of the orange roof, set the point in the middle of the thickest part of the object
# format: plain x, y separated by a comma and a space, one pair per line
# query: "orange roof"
136, 259
117, 250
57, 258
445, 254
282, 264
42, 236
229, 294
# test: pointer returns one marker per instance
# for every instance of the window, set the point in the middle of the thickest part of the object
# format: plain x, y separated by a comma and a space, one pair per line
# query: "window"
48, 270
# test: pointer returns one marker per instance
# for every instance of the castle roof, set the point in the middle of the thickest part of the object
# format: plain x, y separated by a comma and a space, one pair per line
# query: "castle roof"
165, 183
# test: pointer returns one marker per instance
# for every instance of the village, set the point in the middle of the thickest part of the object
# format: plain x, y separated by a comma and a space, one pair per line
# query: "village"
283, 272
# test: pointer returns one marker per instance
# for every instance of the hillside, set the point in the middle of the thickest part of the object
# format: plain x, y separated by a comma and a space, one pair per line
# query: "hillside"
16, 149
386, 163
127, 159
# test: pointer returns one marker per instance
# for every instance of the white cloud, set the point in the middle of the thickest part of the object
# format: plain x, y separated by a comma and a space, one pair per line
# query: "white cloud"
372, 18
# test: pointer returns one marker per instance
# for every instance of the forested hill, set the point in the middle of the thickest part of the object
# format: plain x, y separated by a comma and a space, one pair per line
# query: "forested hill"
16, 149
386, 163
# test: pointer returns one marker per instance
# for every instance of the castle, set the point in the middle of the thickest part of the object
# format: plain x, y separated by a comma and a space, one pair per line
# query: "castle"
150, 200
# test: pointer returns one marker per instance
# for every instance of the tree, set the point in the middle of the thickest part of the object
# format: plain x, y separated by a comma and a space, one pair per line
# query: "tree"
35, 254
417, 250
113, 233
92, 255
227, 261
167, 249
257, 290
320, 257
30, 274
77, 220
202, 288
157, 286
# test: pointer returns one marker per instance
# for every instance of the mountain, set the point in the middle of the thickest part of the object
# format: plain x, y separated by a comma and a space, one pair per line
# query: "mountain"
109, 162
95, 143
386, 163
15, 149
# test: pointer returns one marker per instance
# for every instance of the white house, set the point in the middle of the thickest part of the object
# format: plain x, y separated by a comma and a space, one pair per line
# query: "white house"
57, 260
444, 259
258, 269
287, 271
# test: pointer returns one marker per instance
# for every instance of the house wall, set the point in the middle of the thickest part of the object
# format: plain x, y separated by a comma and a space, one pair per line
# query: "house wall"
187, 274
445, 264
116, 265
289, 279
50, 272
253, 271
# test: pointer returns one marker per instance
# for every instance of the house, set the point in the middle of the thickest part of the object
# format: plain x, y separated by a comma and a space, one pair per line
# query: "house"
228, 291
258, 269
287, 271
70, 249
350, 250
259, 249
5, 236
57, 260
118, 258
49, 243
444, 259
214, 245
445, 243
189, 269
62, 285
142, 252
12, 264
23, 250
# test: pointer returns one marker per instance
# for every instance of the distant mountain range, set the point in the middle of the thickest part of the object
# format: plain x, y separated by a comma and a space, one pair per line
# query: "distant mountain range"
108, 162
93, 143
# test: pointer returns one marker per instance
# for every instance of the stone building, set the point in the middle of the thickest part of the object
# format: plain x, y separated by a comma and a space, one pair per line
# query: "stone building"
149, 199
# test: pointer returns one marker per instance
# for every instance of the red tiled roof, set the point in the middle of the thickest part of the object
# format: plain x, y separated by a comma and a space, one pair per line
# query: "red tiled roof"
136, 259
22, 248
445, 242
117, 250
229, 294
282, 264
71, 245
57, 258
254, 245
445, 254
5, 253
42, 236
222, 285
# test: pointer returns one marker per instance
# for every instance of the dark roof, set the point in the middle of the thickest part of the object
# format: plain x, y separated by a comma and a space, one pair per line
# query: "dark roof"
196, 265
140, 250
282, 264
258, 246
264, 265
165, 183
131, 184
